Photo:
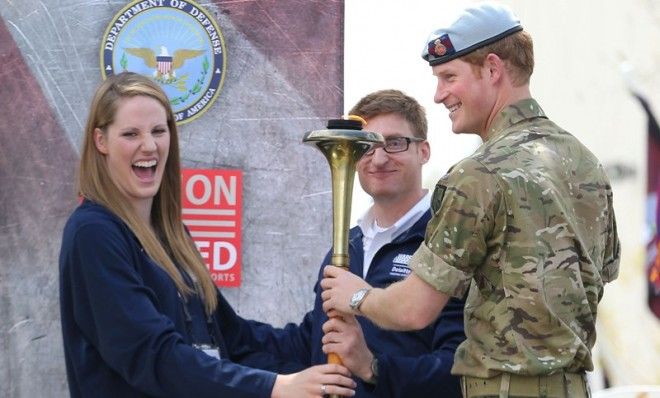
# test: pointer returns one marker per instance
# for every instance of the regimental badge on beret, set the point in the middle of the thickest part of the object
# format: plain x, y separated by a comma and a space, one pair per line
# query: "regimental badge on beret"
441, 46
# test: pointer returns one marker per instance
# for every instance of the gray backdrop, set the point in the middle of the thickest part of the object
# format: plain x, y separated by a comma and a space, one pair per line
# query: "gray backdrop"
284, 77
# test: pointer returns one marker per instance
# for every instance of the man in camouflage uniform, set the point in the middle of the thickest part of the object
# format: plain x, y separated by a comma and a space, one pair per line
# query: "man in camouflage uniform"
526, 224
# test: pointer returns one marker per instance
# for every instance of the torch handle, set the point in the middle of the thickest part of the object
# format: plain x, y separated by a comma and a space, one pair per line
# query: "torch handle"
342, 149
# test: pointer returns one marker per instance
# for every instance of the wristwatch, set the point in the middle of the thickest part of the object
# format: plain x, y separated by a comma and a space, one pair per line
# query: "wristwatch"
358, 298
374, 371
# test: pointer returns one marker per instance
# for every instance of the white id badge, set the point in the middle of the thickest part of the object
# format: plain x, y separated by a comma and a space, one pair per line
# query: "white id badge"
209, 350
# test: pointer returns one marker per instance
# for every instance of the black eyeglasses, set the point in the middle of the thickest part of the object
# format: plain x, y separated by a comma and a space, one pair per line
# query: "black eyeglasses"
395, 145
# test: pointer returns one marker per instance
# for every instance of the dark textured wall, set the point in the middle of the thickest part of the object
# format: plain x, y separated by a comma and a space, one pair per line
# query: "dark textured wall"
284, 77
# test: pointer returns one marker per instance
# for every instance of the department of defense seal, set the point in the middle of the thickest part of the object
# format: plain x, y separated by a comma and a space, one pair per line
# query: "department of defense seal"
177, 43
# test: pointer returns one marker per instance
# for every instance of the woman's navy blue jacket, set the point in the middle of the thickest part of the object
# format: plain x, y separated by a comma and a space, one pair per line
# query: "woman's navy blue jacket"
411, 364
128, 333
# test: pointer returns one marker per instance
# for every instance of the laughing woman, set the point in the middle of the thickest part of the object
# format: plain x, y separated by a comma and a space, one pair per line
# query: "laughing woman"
140, 313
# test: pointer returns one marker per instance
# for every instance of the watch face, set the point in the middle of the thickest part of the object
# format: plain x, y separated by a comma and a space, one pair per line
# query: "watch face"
357, 298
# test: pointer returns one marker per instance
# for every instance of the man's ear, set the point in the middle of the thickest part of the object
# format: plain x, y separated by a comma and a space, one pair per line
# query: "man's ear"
425, 151
100, 141
495, 66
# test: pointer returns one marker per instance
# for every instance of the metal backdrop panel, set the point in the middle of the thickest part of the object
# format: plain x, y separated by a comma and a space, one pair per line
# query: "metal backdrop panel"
283, 77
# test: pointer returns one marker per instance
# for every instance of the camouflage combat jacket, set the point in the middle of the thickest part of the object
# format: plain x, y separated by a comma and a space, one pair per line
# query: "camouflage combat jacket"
527, 224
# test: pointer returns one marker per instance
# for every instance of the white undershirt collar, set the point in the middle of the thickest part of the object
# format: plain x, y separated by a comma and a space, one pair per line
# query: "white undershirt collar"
375, 237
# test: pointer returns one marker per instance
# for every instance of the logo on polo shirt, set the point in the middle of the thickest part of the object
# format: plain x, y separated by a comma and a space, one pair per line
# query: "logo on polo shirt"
400, 265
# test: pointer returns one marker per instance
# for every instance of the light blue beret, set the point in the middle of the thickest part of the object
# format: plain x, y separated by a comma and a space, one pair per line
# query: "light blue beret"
475, 27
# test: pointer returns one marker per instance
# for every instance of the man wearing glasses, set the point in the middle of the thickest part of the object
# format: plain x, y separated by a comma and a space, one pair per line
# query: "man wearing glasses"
384, 363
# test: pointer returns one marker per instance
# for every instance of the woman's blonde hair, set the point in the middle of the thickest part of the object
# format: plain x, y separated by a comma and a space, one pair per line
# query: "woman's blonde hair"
168, 243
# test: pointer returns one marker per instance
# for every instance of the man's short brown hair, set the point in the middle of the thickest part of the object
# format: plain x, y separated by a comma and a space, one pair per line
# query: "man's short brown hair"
517, 52
393, 101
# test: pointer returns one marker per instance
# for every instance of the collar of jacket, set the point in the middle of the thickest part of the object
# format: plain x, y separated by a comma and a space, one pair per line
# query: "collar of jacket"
418, 230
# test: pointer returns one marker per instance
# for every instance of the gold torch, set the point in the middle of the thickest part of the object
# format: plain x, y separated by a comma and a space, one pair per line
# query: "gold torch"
343, 143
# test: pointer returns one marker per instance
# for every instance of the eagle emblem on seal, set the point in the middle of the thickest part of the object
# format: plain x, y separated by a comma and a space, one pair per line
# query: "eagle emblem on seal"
164, 64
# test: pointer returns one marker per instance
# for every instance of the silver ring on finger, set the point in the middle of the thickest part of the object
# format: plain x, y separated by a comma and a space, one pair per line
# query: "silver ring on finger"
323, 389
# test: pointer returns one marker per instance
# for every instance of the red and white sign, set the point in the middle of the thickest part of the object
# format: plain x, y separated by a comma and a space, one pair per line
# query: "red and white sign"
212, 213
